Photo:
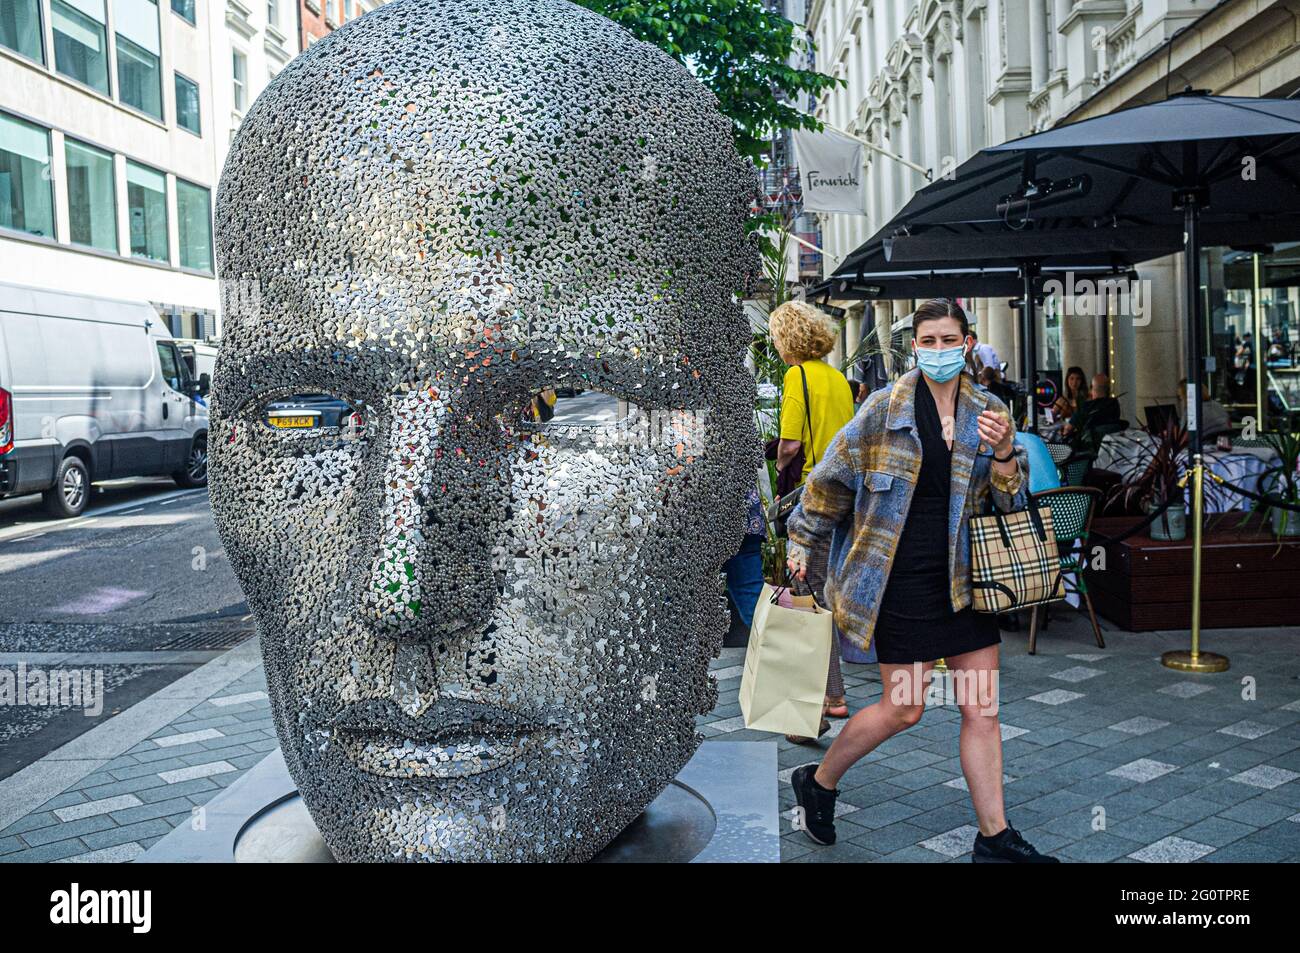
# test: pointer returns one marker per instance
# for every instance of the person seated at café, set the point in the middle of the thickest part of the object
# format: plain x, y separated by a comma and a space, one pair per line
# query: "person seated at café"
1073, 394
1098, 410
990, 379
1214, 416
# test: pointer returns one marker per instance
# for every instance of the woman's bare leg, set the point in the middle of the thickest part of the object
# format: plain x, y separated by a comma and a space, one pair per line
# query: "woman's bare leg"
976, 686
900, 706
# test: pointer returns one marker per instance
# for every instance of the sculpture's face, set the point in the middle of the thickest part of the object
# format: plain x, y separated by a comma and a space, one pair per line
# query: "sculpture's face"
484, 639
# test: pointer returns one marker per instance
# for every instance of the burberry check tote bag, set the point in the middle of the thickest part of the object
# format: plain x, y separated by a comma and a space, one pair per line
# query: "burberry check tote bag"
1014, 560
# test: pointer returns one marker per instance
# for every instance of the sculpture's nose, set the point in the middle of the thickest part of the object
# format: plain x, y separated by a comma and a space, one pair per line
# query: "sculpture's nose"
442, 501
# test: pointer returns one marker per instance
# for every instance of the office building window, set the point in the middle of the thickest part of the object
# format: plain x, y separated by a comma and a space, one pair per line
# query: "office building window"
184, 8
272, 13
239, 72
26, 194
146, 197
81, 41
92, 197
187, 105
194, 225
139, 80
20, 27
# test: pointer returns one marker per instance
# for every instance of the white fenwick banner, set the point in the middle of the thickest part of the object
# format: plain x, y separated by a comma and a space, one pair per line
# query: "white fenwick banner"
830, 171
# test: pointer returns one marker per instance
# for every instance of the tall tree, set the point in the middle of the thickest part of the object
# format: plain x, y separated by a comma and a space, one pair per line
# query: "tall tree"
738, 49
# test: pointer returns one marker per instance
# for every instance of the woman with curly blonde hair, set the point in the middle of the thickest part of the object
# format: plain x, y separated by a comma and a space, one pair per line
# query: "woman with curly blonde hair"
816, 402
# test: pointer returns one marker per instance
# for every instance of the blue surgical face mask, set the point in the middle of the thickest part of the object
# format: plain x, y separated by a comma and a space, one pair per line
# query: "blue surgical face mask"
941, 364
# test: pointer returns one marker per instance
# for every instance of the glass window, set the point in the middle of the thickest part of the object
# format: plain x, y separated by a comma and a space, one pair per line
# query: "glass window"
26, 195
272, 13
1253, 325
239, 70
194, 222
80, 41
146, 198
20, 27
175, 372
187, 104
139, 80
184, 8
92, 197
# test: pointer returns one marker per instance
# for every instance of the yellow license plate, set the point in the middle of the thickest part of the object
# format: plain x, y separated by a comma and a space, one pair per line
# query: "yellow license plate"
285, 422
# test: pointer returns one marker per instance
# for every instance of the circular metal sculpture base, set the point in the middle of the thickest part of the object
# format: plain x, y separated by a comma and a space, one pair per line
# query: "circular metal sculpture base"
676, 826
1185, 661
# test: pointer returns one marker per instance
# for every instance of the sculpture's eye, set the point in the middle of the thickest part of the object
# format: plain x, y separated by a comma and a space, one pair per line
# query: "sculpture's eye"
567, 405
313, 414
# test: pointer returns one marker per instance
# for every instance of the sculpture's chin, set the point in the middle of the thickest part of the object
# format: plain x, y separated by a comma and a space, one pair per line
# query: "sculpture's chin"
538, 808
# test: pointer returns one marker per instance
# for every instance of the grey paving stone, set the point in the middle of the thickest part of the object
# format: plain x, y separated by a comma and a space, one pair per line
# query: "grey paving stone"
1265, 776
1140, 725
1256, 811
106, 805
894, 837
1142, 770
909, 760
148, 812
1217, 831
1097, 847
192, 773
31, 822
883, 814
186, 737
841, 852
46, 853
136, 786
1145, 828
1171, 850
63, 800
66, 831
1188, 808
122, 835
166, 791
1248, 729
920, 778
121, 854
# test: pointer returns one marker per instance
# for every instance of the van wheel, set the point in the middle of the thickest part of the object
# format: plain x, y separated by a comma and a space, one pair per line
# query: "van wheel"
71, 490
195, 473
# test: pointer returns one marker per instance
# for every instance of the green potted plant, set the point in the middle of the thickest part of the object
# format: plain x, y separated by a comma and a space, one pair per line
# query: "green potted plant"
1282, 483
1159, 482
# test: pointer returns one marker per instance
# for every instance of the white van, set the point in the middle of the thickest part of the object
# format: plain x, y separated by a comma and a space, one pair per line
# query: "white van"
92, 389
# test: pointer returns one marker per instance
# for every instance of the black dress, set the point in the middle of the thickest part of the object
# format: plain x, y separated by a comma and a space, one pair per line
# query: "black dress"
916, 622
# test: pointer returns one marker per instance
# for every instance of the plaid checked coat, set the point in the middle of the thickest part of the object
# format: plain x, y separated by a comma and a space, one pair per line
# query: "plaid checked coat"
846, 526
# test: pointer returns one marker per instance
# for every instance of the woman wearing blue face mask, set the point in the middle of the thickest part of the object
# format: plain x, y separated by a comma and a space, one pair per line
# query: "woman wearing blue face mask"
882, 524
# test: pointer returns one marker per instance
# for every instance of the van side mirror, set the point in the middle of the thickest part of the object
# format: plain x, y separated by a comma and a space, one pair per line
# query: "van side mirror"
205, 384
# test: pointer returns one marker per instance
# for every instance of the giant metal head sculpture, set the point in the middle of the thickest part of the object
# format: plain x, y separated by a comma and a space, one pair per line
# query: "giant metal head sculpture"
485, 639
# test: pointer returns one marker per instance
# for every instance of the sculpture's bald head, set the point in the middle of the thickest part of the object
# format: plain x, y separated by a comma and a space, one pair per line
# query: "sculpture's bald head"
476, 630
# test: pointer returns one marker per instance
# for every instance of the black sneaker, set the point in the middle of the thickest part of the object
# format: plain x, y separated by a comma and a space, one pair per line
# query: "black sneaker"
1007, 847
818, 805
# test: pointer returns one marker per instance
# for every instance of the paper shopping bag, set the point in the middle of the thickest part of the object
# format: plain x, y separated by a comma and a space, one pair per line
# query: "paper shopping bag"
784, 683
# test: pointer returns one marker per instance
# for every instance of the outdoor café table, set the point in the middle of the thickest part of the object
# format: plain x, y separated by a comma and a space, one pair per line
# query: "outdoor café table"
1129, 452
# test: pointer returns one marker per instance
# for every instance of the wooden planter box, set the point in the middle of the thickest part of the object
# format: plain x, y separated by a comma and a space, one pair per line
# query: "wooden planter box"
1246, 581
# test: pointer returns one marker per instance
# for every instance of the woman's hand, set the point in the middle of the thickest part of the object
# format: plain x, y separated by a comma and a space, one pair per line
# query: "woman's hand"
995, 431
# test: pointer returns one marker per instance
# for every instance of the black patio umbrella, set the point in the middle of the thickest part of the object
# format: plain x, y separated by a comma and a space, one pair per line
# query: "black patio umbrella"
981, 259
1222, 170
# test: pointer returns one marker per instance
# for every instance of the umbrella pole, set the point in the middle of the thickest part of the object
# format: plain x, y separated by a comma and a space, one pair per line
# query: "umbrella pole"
1030, 336
1195, 660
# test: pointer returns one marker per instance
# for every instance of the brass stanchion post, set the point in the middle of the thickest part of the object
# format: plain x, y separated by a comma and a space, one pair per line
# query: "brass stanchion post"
1196, 660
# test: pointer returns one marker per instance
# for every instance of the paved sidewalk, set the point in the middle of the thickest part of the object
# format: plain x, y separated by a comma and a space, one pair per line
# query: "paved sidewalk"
1108, 756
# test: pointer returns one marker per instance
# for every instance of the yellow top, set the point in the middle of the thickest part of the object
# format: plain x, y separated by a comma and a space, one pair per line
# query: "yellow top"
832, 407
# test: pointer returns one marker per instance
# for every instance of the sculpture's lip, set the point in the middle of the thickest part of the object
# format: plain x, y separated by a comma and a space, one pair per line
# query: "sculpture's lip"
450, 739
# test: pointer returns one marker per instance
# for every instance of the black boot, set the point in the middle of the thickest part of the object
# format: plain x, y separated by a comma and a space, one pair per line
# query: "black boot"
1007, 847
818, 805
